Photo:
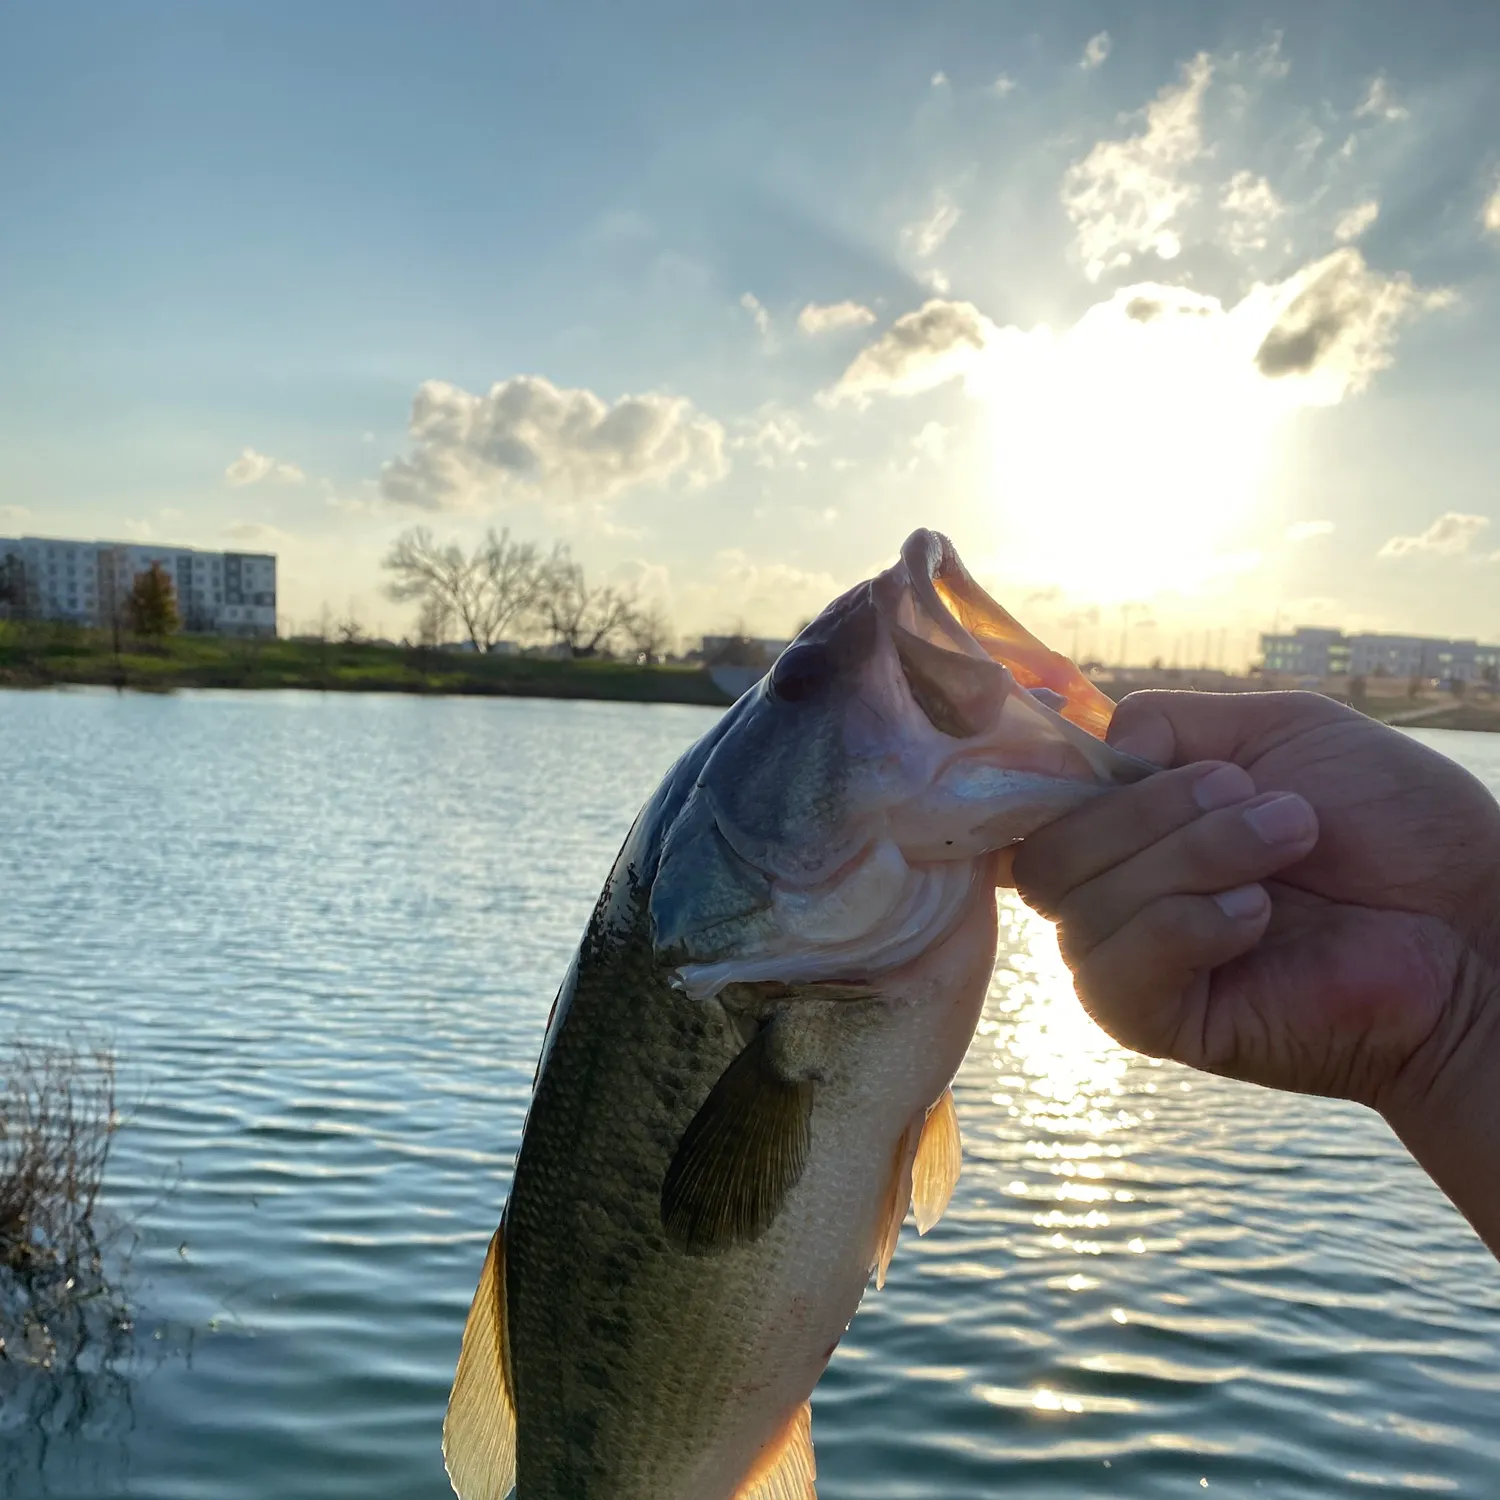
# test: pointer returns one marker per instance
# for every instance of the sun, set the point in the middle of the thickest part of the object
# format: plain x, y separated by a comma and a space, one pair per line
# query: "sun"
1127, 451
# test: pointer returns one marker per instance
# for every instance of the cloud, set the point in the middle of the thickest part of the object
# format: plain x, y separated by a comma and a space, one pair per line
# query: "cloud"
1124, 196
1094, 53
752, 305
1449, 535
1336, 322
1251, 205
938, 342
527, 435
252, 467
1358, 219
830, 317
762, 593
777, 437
923, 237
1378, 104
931, 442
260, 534
13, 512
940, 80
1305, 531
1489, 215
137, 531
1003, 85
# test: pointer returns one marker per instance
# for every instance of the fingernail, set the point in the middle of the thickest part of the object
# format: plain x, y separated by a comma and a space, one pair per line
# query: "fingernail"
1146, 735
1223, 787
1282, 818
1242, 903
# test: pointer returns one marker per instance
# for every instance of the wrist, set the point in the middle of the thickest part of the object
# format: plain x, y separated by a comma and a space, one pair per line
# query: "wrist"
1446, 1107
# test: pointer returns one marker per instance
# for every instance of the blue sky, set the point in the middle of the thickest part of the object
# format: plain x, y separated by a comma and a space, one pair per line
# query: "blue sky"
1178, 315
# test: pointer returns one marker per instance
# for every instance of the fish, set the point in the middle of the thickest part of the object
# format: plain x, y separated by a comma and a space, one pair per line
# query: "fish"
744, 1086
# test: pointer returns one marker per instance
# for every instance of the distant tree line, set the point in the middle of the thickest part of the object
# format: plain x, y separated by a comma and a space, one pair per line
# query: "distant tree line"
509, 590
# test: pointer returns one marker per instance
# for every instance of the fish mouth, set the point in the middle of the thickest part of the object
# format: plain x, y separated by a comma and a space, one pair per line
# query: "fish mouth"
970, 664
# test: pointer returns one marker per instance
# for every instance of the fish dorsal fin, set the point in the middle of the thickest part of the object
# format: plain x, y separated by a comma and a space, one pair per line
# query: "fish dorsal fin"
785, 1470
479, 1432
740, 1156
934, 1173
897, 1201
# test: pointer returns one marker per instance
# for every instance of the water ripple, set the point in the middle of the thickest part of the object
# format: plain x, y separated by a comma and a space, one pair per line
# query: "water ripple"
324, 934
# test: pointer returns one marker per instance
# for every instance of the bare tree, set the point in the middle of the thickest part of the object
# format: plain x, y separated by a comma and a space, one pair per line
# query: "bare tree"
349, 630
497, 586
433, 621
649, 633
581, 618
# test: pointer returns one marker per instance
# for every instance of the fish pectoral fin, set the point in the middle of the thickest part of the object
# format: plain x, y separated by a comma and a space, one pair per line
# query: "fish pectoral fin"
897, 1201
934, 1173
786, 1469
479, 1431
740, 1156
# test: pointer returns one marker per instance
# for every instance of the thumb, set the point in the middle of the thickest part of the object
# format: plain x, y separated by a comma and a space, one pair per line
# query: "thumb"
1140, 728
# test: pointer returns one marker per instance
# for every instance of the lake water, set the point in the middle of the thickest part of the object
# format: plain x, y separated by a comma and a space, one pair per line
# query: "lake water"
324, 933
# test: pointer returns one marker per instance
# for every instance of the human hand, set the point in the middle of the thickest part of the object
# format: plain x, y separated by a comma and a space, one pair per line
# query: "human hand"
1318, 911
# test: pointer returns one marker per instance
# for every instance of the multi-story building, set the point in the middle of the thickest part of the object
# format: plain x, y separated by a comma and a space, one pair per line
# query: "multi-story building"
221, 593
1309, 652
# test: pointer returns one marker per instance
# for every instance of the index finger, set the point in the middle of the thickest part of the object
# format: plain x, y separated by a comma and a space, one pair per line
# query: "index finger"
1111, 829
1175, 728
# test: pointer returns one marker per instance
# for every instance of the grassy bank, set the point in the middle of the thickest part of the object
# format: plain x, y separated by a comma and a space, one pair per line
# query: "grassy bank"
41, 656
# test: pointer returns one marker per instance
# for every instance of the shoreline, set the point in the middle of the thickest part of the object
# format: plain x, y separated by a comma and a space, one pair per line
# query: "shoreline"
36, 659
184, 663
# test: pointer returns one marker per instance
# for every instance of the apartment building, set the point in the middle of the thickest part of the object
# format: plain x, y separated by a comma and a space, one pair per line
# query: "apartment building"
218, 593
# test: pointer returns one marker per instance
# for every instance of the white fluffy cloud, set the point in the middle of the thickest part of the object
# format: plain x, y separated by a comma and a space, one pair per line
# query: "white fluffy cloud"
1094, 53
1452, 533
1378, 103
1250, 208
831, 317
752, 305
252, 467
924, 237
1335, 323
1353, 224
1305, 531
773, 596
938, 342
777, 437
529, 436
1124, 196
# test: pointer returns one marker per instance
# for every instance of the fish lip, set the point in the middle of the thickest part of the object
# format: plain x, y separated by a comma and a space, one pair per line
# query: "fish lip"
928, 558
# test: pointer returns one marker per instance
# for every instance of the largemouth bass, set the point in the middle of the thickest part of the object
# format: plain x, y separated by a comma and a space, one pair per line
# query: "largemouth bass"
744, 1085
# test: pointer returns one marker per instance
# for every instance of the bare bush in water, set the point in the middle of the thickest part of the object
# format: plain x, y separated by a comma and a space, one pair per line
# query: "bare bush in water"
57, 1121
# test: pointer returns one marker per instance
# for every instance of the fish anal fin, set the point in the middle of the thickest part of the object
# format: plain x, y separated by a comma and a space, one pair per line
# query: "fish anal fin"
785, 1469
939, 1159
479, 1431
740, 1156
897, 1201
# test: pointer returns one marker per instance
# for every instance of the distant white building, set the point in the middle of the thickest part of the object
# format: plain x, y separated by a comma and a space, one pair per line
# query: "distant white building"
1306, 653
218, 593
1309, 652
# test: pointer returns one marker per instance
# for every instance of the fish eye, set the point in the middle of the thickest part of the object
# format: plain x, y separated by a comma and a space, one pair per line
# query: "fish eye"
800, 671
